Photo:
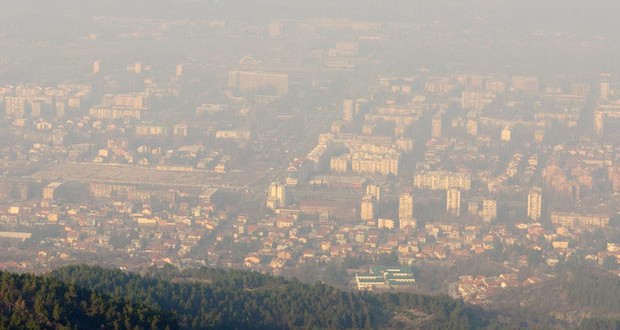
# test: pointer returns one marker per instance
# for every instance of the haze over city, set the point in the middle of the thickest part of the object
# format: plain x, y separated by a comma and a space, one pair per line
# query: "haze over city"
392, 156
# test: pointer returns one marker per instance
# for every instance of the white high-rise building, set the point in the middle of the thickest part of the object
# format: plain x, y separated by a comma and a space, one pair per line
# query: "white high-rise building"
367, 208
489, 210
96, 67
405, 206
453, 201
276, 196
436, 125
506, 134
61, 107
15, 106
599, 122
604, 91
534, 204
348, 108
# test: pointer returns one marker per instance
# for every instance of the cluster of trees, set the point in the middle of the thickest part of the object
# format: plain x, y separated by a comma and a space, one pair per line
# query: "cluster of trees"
232, 299
36, 302
599, 324
86, 297
595, 289
582, 296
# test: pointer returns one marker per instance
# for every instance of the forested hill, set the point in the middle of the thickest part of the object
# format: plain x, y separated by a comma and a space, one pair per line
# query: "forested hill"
583, 295
218, 299
36, 302
85, 297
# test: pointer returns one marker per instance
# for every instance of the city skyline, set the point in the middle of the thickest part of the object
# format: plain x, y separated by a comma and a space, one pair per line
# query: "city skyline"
427, 147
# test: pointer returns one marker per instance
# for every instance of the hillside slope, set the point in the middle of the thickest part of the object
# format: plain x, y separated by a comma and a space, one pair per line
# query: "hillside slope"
39, 302
211, 298
574, 297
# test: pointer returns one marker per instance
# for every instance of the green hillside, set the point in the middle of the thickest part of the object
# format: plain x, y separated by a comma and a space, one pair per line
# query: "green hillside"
584, 296
86, 297
36, 302
218, 299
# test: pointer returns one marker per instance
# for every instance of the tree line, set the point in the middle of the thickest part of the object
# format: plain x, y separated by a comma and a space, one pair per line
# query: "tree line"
208, 298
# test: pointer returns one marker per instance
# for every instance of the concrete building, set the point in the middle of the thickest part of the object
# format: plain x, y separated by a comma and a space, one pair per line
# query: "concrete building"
386, 223
374, 191
534, 204
340, 164
579, 221
367, 208
276, 196
453, 201
436, 126
370, 163
526, 84
489, 210
15, 106
49, 191
506, 134
348, 110
259, 82
96, 67
604, 90
442, 180
384, 278
475, 100
599, 122
405, 206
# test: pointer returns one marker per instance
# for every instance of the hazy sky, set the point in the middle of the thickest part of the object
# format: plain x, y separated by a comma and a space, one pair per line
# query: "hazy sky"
527, 35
